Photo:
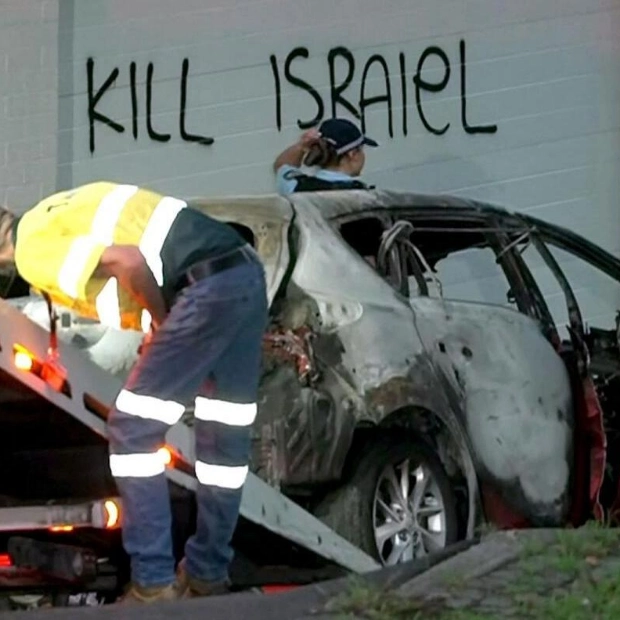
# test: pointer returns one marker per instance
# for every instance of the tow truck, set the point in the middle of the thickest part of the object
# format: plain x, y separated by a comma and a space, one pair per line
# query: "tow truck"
60, 516
69, 548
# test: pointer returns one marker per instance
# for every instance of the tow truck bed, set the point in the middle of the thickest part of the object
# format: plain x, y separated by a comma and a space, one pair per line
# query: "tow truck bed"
84, 406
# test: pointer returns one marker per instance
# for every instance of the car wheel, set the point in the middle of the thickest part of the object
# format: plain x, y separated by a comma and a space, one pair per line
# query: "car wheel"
397, 504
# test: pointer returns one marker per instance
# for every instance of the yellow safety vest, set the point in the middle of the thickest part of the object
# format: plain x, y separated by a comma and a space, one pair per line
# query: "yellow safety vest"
61, 239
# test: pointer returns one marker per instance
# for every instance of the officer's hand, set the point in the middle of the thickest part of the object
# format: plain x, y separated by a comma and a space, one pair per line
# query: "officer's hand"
308, 138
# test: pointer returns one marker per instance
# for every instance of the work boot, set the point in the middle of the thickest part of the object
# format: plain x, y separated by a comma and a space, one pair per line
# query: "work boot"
191, 587
137, 594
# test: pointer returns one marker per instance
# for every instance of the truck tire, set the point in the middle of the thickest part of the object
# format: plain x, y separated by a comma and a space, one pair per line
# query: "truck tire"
369, 510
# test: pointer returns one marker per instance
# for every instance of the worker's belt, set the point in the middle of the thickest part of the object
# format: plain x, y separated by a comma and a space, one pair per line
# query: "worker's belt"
211, 266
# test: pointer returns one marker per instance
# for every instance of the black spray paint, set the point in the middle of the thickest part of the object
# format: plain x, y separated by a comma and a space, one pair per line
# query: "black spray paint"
153, 135
157, 135
403, 89
342, 69
185, 135
301, 52
93, 100
431, 87
385, 98
341, 65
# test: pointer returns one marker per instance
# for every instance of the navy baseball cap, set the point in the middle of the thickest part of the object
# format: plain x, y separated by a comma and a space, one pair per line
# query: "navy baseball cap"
343, 135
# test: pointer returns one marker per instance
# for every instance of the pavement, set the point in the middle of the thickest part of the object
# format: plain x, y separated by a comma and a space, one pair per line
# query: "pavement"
551, 574
301, 603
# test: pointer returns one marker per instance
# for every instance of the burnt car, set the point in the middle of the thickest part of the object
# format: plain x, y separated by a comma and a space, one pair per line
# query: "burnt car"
427, 367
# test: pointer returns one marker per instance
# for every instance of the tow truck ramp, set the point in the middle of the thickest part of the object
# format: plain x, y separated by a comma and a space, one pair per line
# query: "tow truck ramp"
91, 390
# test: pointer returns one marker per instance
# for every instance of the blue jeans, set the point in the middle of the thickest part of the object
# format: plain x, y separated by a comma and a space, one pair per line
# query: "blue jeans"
208, 350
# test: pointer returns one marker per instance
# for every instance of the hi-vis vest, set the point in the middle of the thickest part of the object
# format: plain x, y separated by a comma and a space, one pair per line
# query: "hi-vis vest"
61, 239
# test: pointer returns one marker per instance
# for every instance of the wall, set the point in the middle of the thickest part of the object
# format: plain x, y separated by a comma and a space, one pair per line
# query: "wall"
29, 97
513, 102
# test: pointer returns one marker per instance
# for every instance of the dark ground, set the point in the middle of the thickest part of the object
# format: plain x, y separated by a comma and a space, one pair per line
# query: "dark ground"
548, 574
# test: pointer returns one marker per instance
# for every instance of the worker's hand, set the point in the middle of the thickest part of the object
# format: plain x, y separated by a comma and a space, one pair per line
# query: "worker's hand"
146, 341
310, 137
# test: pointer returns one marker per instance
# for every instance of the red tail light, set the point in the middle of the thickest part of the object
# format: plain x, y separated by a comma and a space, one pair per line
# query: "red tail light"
278, 588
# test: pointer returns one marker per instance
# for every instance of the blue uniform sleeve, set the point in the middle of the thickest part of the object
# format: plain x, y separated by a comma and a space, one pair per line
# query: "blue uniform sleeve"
285, 179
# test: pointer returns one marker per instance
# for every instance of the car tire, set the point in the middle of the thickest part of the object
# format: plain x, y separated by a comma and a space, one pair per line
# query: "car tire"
357, 509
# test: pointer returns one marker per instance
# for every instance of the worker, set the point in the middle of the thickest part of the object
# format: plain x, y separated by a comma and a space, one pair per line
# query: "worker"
134, 259
336, 148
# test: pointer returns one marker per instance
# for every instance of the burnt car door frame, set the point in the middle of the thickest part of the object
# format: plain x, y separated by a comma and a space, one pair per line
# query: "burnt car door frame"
392, 269
503, 232
590, 456
528, 297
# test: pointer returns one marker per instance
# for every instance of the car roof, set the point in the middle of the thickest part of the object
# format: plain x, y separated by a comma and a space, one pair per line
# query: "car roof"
332, 204
338, 203
341, 203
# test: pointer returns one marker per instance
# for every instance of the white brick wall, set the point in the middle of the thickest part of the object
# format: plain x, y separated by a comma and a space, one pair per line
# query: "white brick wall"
545, 73
28, 89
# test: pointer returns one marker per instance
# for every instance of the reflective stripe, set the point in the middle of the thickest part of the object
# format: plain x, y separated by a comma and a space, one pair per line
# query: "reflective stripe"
101, 232
73, 265
107, 304
352, 145
155, 234
232, 414
149, 407
221, 476
109, 211
145, 321
137, 465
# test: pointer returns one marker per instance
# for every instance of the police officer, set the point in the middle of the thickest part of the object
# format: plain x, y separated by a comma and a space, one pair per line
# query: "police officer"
336, 148
134, 259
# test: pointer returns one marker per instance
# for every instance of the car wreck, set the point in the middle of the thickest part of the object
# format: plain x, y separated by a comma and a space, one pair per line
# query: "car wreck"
417, 382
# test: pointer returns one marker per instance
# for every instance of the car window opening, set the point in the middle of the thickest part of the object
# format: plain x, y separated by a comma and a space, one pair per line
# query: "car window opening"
245, 232
364, 236
463, 264
12, 285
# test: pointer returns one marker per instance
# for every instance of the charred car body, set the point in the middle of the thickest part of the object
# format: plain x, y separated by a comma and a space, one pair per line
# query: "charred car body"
401, 411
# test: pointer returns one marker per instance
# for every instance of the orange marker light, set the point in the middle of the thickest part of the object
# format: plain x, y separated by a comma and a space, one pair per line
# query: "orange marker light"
23, 361
62, 528
166, 455
50, 370
113, 513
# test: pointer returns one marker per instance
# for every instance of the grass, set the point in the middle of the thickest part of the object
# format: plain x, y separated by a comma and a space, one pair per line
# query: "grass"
573, 559
363, 601
594, 601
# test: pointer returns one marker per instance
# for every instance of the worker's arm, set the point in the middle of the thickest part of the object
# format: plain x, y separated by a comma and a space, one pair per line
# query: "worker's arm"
127, 264
294, 154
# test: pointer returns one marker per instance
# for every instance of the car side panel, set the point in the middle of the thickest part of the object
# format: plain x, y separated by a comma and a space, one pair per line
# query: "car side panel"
367, 353
515, 397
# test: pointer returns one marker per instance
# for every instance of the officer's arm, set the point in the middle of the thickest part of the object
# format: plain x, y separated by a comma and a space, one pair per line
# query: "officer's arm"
291, 156
127, 264
294, 154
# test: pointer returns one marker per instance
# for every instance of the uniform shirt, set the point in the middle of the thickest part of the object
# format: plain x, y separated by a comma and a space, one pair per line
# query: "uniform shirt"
60, 241
286, 182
